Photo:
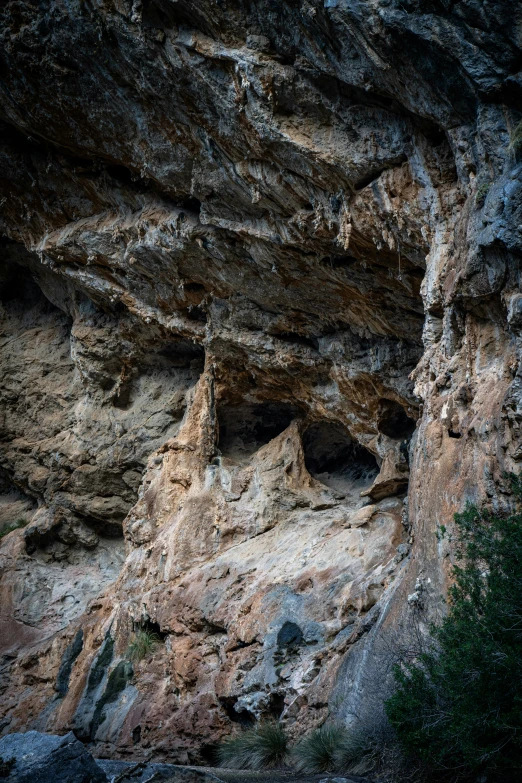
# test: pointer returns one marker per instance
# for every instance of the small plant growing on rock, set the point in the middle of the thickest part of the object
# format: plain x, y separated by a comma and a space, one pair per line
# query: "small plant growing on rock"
144, 643
21, 522
481, 194
516, 140
261, 747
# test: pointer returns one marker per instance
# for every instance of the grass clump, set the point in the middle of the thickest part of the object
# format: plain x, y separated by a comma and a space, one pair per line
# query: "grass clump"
261, 747
144, 643
357, 752
21, 522
458, 705
516, 139
326, 749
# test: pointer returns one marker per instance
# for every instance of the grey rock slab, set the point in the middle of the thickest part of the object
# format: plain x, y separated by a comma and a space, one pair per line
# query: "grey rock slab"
136, 772
141, 772
46, 758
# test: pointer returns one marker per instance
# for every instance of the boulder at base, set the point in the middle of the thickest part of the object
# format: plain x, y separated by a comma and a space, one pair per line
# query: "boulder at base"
46, 758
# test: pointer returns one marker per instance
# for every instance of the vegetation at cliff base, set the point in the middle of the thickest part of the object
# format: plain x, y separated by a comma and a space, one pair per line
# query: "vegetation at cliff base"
330, 748
261, 747
458, 706
318, 751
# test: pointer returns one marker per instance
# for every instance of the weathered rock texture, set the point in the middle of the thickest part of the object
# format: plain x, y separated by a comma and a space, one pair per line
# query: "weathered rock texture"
260, 272
42, 758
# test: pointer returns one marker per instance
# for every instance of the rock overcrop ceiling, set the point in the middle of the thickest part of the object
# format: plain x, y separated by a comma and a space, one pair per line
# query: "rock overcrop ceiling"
260, 327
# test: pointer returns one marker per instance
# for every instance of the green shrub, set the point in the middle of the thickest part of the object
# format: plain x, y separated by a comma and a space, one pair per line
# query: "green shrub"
260, 747
326, 749
21, 522
358, 751
144, 643
482, 192
458, 706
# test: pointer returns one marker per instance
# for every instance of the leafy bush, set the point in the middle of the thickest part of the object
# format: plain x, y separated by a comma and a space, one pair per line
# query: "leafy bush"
458, 707
21, 522
144, 643
261, 747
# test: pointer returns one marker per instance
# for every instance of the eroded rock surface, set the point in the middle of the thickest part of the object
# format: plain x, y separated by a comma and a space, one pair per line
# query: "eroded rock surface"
260, 337
44, 758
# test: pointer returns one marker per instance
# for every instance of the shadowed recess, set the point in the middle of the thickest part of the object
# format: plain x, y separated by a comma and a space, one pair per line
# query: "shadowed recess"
334, 458
243, 429
393, 420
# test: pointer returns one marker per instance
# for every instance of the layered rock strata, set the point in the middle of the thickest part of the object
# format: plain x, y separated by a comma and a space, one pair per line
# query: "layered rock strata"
260, 337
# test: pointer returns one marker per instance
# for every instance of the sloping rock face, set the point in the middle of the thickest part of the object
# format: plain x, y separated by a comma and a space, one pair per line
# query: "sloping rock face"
260, 336
43, 758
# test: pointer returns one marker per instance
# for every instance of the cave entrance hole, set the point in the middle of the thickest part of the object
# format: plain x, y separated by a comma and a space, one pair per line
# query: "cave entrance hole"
393, 420
244, 429
151, 628
335, 459
242, 716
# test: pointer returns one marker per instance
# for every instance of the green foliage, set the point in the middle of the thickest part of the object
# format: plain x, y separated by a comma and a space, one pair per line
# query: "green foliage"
261, 747
482, 192
317, 751
516, 139
21, 522
356, 747
458, 706
329, 749
144, 643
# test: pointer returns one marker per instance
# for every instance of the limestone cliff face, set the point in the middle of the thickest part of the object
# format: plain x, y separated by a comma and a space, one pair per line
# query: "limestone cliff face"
260, 323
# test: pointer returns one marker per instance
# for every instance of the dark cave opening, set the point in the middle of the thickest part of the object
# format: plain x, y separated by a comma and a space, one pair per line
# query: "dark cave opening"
244, 429
191, 204
289, 635
242, 716
122, 398
393, 420
276, 705
335, 459
208, 753
105, 528
19, 290
17, 284
293, 338
453, 434
150, 627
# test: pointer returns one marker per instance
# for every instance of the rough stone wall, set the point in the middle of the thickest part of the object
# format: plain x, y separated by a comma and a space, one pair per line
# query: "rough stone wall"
260, 315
